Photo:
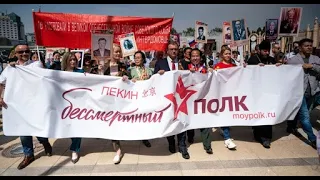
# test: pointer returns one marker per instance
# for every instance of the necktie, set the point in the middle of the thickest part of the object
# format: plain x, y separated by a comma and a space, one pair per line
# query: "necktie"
173, 67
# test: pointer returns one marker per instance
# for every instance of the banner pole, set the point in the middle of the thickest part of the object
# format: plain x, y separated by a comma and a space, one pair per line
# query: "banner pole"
38, 52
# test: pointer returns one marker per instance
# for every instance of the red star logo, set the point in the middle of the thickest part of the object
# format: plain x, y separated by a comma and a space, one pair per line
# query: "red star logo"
184, 94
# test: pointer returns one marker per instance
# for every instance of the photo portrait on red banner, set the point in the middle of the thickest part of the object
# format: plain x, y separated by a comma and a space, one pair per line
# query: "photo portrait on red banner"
74, 30
101, 47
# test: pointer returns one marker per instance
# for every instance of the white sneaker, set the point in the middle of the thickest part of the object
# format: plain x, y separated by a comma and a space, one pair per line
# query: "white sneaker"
74, 155
230, 144
117, 159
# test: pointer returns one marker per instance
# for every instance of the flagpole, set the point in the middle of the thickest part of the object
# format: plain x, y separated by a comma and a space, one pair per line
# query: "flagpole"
38, 52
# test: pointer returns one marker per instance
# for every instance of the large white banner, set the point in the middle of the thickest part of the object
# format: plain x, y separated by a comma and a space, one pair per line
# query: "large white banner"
60, 104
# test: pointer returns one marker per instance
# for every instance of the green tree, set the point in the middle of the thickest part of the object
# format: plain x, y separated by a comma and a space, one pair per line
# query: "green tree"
173, 31
217, 29
188, 32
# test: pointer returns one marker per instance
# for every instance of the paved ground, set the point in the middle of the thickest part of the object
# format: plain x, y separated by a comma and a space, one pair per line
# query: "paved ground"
288, 156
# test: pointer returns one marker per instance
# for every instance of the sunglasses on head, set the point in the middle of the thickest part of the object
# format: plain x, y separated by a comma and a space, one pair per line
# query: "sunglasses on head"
21, 52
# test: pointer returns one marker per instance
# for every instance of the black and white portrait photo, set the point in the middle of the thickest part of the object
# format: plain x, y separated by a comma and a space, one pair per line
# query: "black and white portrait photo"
201, 32
226, 33
128, 44
239, 30
101, 46
79, 55
271, 29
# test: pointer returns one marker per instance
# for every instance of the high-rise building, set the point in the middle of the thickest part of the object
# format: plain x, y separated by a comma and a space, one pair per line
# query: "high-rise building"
17, 19
31, 39
11, 27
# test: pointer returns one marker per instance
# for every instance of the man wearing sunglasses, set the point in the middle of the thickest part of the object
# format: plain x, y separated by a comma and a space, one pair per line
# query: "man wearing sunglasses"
22, 53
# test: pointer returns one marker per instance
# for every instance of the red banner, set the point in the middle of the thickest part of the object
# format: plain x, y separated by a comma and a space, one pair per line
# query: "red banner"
74, 30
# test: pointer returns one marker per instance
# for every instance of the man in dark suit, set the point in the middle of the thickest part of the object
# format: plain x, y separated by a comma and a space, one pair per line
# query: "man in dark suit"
200, 33
239, 32
271, 31
169, 64
102, 51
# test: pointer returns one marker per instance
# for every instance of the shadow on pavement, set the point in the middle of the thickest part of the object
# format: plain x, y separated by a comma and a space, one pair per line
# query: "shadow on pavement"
6, 139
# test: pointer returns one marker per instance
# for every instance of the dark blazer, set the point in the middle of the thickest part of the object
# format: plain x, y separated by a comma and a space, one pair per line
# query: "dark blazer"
184, 64
162, 64
201, 38
256, 59
274, 33
238, 37
97, 52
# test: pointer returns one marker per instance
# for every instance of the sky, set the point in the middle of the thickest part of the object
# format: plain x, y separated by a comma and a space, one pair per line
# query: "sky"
185, 15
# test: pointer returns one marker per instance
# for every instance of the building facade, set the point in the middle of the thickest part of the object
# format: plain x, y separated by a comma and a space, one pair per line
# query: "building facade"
31, 39
8, 28
12, 28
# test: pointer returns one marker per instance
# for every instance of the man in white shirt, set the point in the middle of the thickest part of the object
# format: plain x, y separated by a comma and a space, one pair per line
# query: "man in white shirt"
295, 50
22, 52
275, 49
171, 64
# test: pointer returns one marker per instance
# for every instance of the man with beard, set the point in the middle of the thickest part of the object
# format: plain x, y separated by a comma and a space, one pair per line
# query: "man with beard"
262, 134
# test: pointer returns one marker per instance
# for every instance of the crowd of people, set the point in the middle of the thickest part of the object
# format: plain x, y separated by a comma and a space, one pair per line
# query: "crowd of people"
175, 58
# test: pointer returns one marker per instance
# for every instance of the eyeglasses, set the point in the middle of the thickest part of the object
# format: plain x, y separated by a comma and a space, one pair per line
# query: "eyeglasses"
21, 52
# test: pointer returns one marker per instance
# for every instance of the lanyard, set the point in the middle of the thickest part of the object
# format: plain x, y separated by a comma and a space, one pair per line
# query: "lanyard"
197, 69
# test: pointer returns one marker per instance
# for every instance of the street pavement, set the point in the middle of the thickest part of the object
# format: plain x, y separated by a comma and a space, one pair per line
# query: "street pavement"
288, 155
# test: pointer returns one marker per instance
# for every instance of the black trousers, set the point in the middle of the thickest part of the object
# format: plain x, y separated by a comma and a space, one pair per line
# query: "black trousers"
190, 134
264, 132
205, 136
181, 141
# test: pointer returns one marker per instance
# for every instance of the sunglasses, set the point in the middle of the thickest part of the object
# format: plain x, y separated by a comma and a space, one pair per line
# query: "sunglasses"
21, 52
